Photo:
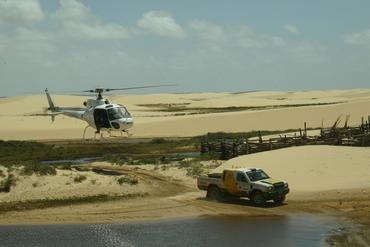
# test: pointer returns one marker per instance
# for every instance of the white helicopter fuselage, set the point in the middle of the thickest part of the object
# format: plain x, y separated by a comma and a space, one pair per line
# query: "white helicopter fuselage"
103, 116
100, 114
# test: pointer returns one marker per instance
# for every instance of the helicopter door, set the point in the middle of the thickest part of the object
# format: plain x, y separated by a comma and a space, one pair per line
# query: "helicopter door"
101, 119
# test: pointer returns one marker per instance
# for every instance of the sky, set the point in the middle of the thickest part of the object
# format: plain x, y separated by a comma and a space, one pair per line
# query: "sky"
201, 46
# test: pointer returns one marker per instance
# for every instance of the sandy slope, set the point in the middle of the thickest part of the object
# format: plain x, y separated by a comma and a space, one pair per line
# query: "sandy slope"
15, 122
312, 168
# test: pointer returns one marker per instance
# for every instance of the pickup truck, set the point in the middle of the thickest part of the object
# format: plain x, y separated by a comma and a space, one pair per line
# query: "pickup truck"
253, 183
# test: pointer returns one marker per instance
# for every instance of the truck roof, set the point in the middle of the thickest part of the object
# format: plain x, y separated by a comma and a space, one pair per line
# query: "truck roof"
244, 169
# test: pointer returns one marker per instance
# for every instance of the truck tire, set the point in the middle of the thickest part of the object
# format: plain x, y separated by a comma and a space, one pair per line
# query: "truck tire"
213, 193
258, 198
279, 200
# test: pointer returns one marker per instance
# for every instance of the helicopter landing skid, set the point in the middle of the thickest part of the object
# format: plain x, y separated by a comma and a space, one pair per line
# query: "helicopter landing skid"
83, 136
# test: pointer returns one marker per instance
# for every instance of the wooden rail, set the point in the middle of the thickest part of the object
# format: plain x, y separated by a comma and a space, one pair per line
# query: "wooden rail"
347, 136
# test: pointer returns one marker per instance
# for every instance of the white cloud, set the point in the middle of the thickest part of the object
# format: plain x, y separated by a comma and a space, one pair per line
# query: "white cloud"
209, 31
213, 35
217, 38
360, 38
161, 23
72, 10
291, 28
27, 46
21, 12
78, 21
97, 31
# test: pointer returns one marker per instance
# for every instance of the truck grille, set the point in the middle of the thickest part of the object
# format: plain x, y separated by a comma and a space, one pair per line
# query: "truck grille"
279, 186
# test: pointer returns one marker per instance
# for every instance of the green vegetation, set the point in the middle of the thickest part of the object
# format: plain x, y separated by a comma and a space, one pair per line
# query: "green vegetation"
37, 168
46, 203
127, 179
79, 178
5, 185
195, 169
182, 109
18, 151
155, 151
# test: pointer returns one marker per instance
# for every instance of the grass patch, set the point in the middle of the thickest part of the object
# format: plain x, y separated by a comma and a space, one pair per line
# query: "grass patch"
37, 168
206, 110
194, 169
131, 180
46, 203
79, 178
8, 183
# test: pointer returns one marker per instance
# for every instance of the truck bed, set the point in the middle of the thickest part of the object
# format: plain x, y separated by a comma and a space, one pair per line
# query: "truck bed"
204, 182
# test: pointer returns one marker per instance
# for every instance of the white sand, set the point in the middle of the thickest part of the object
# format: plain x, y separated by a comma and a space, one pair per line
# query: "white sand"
312, 168
15, 124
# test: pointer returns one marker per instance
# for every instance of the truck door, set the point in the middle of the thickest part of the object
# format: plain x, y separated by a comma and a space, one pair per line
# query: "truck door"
243, 184
230, 182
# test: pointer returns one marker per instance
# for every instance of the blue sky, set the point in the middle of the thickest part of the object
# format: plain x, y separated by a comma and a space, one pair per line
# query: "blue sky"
199, 45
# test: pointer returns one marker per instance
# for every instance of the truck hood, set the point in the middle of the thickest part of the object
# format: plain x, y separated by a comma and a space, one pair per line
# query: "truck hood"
265, 183
270, 181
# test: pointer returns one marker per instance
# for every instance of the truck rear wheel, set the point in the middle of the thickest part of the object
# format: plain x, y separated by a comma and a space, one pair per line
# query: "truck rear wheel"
213, 193
258, 198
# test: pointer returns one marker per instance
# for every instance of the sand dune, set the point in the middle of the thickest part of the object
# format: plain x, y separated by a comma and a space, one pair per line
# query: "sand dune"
16, 122
312, 168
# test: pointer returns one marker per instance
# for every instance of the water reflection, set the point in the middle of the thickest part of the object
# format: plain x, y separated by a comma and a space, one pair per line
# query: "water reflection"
295, 230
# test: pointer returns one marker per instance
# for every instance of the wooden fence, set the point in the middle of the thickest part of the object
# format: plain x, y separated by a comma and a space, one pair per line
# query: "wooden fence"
346, 135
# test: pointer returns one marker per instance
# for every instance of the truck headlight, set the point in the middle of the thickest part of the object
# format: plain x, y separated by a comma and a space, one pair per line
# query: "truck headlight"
270, 188
286, 185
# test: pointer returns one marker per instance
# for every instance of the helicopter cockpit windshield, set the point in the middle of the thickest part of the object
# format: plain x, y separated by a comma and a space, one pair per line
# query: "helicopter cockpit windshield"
117, 113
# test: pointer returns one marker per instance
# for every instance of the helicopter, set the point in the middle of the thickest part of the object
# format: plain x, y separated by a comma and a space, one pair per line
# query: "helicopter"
100, 114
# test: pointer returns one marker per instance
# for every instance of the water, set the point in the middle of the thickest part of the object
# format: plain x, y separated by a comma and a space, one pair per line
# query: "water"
86, 160
71, 161
295, 230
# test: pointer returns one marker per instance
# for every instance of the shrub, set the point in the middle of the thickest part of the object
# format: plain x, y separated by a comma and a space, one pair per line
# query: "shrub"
164, 160
131, 180
6, 185
157, 141
38, 168
79, 178
164, 167
64, 166
2, 174
194, 170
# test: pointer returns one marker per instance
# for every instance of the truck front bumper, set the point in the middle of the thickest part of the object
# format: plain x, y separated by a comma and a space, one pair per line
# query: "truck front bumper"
275, 193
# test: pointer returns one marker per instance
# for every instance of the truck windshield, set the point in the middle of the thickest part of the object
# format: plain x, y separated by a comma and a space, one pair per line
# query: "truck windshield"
257, 175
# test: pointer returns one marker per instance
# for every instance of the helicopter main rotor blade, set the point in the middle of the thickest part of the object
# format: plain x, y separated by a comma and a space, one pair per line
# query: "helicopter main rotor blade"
130, 88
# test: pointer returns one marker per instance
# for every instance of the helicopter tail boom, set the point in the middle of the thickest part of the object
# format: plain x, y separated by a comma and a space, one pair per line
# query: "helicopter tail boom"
50, 101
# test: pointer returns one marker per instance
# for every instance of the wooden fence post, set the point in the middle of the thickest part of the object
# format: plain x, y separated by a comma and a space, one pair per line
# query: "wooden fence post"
259, 136
305, 129
270, 144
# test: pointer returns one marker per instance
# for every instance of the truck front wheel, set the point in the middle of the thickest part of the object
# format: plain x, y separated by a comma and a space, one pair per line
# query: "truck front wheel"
213, 193
258, 198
